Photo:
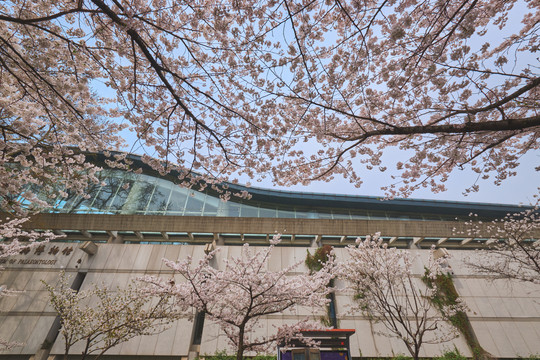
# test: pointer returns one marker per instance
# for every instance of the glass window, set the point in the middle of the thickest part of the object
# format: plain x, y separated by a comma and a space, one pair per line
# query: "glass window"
307, 214
223, 208
138, 197
314, 354
232, 209
211, 206
299, 354
249, 211
267, 213
80, 203
177, 202
121, 195
378, 215
359, 215
195, 203
160, 197
342, 215
72, 202
285, 214
325, 215
106, 193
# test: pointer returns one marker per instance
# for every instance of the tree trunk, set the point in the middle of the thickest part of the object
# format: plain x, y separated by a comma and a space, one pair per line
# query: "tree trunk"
416, 352
66, 347
240, 354
85, 352
240, 349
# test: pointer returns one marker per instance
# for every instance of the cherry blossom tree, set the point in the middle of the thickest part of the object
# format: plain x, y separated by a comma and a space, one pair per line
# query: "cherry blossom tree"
238, 88
386, 290
12, 240
514, 247
240, 295
101, 318
455, 83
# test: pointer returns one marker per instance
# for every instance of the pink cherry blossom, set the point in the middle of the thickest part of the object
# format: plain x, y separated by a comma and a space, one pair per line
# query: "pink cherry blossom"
387, 291
241, 292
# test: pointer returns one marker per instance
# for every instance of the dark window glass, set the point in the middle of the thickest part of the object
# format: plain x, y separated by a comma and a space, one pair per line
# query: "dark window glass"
194, 204
178, 200
342, 216
159, 198
106, 193
121, 195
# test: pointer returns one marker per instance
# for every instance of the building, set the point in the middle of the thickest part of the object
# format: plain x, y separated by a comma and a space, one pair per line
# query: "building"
151, 218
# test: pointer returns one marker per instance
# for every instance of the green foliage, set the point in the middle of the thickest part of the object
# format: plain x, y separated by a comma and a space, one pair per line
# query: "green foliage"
451, 355
315, 263
325, 321
401, 357
446, 295
264, 357
321, 256
219, 355
47, 345
358, 297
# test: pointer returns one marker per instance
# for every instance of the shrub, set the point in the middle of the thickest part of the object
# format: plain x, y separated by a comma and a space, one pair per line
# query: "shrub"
316, 261
451, 355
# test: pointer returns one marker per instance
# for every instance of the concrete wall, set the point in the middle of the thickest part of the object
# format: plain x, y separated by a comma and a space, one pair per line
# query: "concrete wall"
505, 315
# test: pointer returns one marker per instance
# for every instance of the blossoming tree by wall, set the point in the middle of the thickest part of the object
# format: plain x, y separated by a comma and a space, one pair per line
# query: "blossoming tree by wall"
12, 240
101, 318
240, 295
514, 252
230, 88
386, 290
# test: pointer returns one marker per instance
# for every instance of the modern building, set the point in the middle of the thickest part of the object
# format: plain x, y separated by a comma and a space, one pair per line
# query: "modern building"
125, 228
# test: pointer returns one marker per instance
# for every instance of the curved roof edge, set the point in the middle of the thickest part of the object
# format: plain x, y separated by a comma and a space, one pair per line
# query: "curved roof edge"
324, 200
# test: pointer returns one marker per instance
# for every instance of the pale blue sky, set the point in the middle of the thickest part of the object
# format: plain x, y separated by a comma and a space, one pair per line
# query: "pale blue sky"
516, 190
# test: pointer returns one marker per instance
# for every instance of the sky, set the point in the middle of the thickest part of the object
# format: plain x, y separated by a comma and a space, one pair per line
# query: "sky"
519, 189
516, 190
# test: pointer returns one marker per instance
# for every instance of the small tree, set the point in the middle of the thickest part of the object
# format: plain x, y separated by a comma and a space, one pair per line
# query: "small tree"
387, 292
12, 240
513, 252
238, 296
102, 318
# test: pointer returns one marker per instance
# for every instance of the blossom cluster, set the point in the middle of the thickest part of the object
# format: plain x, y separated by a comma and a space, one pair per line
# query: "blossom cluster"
227, 89
242, 291
387, 291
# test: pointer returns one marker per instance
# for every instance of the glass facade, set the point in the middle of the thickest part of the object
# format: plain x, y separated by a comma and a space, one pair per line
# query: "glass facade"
127, 193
